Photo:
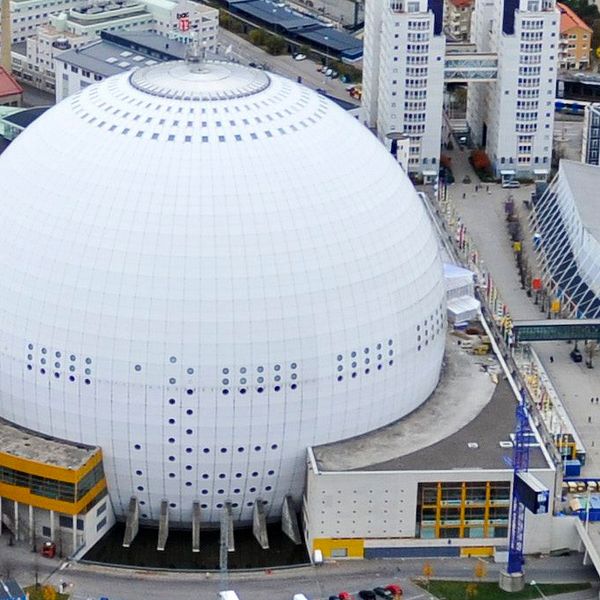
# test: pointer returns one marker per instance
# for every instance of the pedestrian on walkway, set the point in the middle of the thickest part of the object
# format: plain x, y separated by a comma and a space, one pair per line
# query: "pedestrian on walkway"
464, 195
551, 358
589, 419
596, 399
592, 400
487, 188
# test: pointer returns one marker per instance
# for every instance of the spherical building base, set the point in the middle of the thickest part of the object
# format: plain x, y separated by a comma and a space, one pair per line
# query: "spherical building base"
204, 271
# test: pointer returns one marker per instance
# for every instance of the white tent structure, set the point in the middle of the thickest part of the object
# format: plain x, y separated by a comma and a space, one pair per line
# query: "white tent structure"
461, 304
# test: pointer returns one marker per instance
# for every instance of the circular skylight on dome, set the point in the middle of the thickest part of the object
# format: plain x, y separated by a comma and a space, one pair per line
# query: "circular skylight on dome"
209, 80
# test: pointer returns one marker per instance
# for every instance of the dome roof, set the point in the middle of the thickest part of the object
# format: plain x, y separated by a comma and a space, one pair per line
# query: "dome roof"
214, 267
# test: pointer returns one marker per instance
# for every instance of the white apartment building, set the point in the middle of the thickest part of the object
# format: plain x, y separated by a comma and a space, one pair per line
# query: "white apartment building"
403, 75
33, 60
513, 117
27, 15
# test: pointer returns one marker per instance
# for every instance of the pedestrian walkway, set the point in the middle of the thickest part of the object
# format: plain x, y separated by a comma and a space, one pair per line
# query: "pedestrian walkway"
484, 217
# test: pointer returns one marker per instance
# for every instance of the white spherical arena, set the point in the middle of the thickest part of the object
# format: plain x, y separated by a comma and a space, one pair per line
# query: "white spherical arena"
204, 270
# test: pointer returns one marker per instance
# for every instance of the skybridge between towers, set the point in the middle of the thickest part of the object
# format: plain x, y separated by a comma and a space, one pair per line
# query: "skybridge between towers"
463, 64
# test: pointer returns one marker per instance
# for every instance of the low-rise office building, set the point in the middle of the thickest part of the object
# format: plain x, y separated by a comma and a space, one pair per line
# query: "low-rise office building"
113, 53
33, 59
51, 489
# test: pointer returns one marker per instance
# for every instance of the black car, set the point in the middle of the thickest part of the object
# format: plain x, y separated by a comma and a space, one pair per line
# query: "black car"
367, 595
383, 593
334, 598
576, 356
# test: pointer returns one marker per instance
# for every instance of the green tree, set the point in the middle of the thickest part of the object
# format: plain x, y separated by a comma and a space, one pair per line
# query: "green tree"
257, 37
585, 9
274, 44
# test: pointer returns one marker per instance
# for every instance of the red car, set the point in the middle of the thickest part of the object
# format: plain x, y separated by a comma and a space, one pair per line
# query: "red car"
395, 589
345, 596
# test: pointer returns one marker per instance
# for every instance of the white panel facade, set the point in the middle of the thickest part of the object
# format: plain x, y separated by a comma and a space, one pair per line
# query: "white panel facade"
204, 288
380, 507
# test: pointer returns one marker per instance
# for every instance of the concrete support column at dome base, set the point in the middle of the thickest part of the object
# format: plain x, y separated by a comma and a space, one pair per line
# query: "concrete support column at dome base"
163, 526
289, 521
511, 582
196, 527
259, 524
132, 524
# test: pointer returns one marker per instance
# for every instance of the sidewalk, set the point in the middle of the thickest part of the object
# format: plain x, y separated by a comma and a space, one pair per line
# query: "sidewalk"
483, 214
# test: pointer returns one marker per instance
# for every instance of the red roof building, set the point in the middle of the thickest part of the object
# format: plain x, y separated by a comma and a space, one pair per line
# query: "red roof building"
11, 93
575, 40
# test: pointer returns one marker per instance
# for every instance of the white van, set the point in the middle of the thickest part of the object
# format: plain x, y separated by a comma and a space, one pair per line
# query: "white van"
300, 597
227, 595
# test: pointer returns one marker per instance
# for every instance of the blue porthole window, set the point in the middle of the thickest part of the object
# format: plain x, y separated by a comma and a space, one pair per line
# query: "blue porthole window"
172, 380
190, 371
171, 401
206, 450
188, 467
189, 392
225, 392
189, 411
43, 371
260, 390
172, 458
138, 367
172, 359
294, 386
171, 440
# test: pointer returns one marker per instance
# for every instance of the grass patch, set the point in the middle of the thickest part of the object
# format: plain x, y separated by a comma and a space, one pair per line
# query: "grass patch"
42, 593
489, 590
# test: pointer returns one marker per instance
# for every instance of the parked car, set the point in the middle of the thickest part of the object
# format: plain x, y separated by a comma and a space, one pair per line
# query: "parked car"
334, 598
511, 184
395, 589
299, 56
345, 596
383, 593
328, 72
576, 355
367, 595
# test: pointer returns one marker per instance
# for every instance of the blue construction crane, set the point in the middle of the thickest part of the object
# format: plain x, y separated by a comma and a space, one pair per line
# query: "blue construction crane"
520, 464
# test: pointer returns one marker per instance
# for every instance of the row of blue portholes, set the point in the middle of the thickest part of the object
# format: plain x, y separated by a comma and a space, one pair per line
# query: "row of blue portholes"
205, 476
207, 450
205, 506
354, 374
71, 378
252, 490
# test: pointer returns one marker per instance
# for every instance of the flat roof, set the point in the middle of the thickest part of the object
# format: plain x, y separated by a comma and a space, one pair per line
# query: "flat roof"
25, 116
467, 407
30, 445
583, 181
273, 13
332, 38
8, 84
114, 54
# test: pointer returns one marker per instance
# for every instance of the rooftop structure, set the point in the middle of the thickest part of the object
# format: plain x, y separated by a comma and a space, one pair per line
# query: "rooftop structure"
300, 27
441, 473
114, 53
32, 446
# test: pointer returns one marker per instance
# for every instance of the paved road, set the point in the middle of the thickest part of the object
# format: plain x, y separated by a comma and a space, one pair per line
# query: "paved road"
484, 217
568, 136
316, 582
34, 97
285, 65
